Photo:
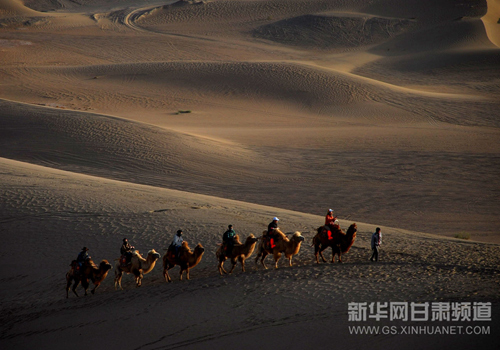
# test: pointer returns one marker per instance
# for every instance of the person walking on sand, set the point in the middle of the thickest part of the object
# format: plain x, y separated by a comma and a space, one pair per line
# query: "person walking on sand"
376, 242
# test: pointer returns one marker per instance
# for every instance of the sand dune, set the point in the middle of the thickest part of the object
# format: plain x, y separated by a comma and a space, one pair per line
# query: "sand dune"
137, 118
11, 8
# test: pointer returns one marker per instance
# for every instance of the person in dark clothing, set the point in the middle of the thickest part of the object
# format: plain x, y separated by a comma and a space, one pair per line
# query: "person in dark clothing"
271, 232
126, 251
273, 225
376, 242
228, 240
81, 258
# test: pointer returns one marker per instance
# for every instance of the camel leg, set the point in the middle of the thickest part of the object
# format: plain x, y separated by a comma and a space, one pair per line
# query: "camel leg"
187, 273
95, 287
242, 261
264, 255
259, 254
233, 262
321, 248
77, 282
69, 279
85, 285
316, 253
118, 279
221, 267
180, 275
138, 278
167, 276
277, 257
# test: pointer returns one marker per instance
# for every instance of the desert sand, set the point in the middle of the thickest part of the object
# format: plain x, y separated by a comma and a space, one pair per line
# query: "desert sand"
137, 118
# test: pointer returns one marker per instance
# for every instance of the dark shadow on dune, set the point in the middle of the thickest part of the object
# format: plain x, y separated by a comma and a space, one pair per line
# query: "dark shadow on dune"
332, 32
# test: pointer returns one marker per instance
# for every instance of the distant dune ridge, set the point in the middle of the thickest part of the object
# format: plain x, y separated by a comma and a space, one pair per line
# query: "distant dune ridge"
126, 118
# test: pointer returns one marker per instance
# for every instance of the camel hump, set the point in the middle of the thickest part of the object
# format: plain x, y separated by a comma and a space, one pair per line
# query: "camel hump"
185, 247
283, 236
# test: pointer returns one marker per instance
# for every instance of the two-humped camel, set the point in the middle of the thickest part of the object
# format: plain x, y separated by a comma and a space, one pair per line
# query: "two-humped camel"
240, 253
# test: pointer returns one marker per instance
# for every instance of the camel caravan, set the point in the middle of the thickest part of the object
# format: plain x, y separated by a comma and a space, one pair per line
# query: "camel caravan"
272, 242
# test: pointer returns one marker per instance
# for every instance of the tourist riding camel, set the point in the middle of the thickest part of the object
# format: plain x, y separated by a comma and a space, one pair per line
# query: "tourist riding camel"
126, 252
176, 244
80, 260
271, 237
228, 241
330, 222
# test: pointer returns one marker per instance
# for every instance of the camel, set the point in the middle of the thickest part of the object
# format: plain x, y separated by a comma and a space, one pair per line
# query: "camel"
186, 260
240, 253
89, 271
289, 247
138, 267
341, 242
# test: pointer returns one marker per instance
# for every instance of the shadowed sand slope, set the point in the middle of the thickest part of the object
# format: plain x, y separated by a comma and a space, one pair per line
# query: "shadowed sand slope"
329, 32
408, 182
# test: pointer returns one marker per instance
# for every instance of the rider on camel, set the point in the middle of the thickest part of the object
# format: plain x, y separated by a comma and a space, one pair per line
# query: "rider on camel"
81, 258
271, 232
177, 243
330, 222
228, 240
126, 252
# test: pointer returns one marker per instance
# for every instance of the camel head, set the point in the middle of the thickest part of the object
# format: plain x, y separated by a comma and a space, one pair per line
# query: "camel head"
154, 254
251, 239
352, 229
350, 237
105, 266
198, 250
297, 237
